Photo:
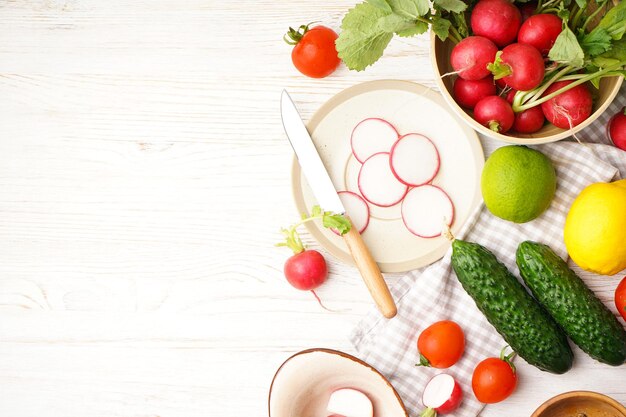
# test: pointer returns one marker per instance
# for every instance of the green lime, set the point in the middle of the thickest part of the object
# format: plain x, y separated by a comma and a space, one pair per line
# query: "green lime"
518, 183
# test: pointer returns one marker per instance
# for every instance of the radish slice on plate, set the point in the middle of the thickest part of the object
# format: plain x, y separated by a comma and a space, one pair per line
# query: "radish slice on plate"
372, 136
356, 208
377, 183
424, 209
442, 395
348, 402
414, 159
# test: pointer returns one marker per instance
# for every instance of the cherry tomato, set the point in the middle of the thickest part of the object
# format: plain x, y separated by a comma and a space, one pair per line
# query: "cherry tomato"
306, 270
441, 344
314, 53
620, 298
494, 379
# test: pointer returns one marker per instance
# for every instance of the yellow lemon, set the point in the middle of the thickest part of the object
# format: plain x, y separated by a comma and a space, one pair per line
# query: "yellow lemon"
595, 228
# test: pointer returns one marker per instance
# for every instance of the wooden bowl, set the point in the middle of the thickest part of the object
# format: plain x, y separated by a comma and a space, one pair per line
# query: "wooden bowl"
440, 59
303, 384
580, 403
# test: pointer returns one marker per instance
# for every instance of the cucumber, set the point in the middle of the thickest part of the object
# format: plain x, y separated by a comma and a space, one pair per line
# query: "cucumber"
521, 321
585, 319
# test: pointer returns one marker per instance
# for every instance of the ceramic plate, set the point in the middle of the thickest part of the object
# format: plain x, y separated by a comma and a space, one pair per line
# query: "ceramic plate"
411, 108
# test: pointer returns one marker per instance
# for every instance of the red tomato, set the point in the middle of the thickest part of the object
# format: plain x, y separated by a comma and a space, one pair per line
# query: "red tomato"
620, 298
441, 344
494, 379
314, 53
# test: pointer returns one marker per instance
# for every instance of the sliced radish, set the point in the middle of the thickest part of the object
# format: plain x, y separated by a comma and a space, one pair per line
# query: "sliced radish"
442, 394
424, 209
372, 136
348, 402
414, 159
356, 208
377, 183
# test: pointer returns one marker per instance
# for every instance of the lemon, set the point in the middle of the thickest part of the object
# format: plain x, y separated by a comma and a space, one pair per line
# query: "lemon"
518, 183
595, 228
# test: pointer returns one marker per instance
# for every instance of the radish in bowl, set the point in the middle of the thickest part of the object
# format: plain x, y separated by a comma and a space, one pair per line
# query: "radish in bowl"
349, 402
442, 395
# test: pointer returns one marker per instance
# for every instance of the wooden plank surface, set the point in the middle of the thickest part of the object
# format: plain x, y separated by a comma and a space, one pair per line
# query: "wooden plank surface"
144, 176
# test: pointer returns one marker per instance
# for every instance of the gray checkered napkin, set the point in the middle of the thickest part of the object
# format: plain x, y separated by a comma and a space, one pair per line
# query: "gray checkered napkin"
434, 294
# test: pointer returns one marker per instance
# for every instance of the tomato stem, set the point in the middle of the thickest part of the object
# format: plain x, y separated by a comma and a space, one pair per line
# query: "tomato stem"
423, 361
293, 36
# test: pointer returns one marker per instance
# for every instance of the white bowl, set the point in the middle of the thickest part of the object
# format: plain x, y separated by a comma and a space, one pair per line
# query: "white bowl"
303, 384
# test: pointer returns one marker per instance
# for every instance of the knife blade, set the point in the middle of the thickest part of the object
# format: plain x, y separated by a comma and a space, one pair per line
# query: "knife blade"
328, 199
308, 158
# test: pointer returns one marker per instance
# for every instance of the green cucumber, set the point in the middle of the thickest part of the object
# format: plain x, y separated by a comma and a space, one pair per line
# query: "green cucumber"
521, 321
585, 319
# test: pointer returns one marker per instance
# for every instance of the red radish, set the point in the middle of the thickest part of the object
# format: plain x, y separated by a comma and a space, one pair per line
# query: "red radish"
306, 270
521, 66
470, 57
501, 83
356, 208
469, 92
495, 113
414, 159
348, 402
570, 108
540, 31
529, 121
616, 129
496, 20
372, 136
510, 96
425, 209
442, 395
527, 10
377, 183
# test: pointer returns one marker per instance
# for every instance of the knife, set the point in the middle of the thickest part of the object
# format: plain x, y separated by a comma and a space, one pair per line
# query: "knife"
328, 199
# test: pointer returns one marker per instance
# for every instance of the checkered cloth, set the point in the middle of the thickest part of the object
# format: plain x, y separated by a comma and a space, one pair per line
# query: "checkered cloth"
434, 294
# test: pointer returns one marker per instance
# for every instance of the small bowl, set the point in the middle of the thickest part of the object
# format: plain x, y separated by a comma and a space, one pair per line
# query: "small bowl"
580, 403
440, 59
303, 384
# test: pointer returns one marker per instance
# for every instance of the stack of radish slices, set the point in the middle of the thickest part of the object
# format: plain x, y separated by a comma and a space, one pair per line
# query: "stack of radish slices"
397, 170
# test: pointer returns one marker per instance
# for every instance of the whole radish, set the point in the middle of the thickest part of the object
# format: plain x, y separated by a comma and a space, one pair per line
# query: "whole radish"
470, 57
529, 121
521, 66
306, 269
469, 92
510, 96
497, 20
616, 129
570, 108
540, 31
495, 113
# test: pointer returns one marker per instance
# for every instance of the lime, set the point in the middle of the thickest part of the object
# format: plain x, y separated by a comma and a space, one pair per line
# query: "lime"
518, 183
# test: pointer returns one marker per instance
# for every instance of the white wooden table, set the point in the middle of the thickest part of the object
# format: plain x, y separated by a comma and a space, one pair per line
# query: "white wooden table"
144, 175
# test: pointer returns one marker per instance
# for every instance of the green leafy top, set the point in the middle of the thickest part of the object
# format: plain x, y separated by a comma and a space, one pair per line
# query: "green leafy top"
330, 220
367, 29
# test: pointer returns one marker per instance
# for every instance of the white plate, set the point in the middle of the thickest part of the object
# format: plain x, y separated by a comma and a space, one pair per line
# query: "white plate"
411, 108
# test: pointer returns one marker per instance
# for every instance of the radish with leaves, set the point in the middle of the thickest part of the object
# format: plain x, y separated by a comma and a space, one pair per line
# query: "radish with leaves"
470, 57
569, 108
496, 20
469, 92
306, 269
495, 113
529, 121
442, 395
521, 66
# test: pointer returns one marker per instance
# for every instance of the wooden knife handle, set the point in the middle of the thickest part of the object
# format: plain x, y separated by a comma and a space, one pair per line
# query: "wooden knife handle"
371, 273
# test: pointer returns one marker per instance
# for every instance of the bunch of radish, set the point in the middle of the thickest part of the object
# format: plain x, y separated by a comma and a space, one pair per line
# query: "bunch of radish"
502, 65
397, 169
